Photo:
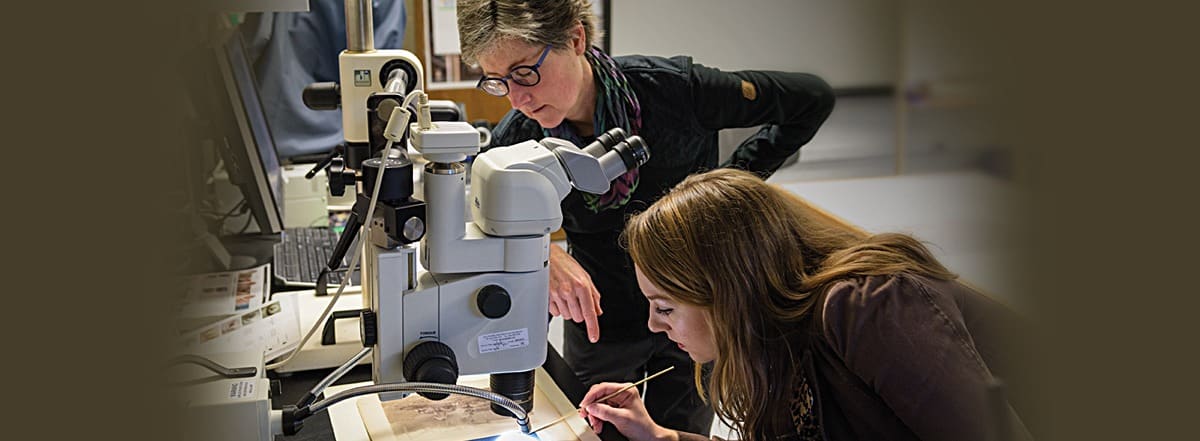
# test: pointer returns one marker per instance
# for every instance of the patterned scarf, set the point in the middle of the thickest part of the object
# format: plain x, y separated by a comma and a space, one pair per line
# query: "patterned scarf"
616, 106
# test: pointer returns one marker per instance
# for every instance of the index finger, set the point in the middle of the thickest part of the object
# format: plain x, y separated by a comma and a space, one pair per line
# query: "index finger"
600, 391
588, 307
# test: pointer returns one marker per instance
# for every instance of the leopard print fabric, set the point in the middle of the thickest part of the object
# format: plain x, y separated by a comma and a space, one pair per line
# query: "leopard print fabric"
804, 412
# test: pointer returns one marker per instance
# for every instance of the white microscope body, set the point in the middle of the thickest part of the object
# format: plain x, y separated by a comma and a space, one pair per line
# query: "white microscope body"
480, 305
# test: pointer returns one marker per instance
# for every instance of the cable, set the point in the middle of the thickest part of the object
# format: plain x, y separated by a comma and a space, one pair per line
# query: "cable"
239, 207
364, 232
292, 417
222, 216
335, 375
219, 369
315, 392
507, 403
246, 226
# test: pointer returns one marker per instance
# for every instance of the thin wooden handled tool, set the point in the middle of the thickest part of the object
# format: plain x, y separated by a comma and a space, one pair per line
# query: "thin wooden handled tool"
604, 398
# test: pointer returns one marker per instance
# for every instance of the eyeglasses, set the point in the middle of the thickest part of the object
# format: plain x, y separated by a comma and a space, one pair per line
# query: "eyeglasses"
524, 75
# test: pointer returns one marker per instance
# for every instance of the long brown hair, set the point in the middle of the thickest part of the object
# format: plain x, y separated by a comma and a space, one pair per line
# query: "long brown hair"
757, 258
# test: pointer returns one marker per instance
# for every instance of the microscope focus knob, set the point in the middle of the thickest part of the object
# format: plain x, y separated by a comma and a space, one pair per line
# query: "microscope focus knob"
431, 362
493, 301
322, 96
414, 229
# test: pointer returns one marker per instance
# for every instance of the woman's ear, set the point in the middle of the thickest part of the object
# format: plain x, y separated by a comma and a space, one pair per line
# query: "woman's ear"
579, 39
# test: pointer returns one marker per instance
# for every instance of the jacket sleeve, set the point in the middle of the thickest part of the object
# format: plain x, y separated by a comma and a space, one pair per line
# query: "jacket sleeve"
911, 346
791, 106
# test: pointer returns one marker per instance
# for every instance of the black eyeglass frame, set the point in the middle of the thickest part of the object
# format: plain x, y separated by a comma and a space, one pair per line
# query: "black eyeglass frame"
504, 79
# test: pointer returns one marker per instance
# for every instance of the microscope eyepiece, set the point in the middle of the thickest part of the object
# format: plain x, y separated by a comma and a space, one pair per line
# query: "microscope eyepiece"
605, 142
625, 155
633, 151
611, 137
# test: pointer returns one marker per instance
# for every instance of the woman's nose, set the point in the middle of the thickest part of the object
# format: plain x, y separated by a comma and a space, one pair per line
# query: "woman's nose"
518, 95
654, 324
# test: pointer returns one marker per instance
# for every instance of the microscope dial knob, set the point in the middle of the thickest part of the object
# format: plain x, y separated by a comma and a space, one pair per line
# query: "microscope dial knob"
413, 229
493, 301
431, 362
322, 96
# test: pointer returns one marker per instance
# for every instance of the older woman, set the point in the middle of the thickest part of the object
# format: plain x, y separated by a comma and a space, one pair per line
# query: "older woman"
816, 331
541, 55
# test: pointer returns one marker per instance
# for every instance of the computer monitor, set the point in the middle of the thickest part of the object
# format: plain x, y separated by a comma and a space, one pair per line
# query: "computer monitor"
248, 148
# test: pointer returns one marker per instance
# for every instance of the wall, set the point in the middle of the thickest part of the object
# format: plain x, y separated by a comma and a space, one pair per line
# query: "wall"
849, 43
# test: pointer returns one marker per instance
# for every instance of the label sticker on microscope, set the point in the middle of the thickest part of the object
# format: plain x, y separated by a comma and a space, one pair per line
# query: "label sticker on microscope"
503, 341
241, 389
362, 77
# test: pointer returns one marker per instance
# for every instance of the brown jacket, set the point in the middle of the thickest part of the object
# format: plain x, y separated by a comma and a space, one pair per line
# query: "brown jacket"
907, 358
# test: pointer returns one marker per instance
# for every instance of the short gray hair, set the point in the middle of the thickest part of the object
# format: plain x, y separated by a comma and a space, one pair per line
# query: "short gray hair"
482, 23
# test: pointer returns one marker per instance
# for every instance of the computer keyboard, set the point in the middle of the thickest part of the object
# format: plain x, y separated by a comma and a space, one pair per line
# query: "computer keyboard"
303, 253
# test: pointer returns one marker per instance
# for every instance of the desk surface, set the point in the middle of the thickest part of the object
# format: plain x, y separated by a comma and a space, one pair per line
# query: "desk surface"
318, 427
